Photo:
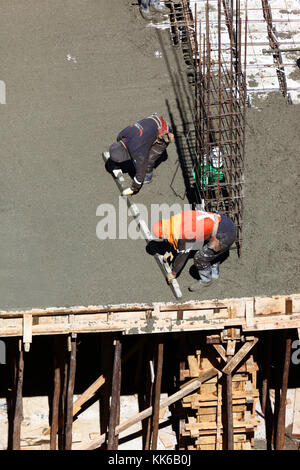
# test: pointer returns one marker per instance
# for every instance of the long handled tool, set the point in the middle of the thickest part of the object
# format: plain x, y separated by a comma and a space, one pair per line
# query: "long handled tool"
165, 268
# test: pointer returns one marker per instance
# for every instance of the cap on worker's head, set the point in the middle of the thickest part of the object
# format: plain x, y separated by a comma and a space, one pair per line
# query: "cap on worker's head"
163, 126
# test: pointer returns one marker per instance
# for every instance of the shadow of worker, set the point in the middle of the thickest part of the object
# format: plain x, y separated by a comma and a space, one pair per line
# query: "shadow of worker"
158, 247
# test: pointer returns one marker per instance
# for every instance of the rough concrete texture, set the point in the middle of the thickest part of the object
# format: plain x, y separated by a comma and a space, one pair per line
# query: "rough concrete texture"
76, 73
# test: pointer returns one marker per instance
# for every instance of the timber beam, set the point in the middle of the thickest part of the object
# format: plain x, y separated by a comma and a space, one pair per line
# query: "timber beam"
246, 314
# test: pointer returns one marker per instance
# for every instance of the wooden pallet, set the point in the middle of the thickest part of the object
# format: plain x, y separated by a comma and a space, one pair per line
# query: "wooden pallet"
204, 423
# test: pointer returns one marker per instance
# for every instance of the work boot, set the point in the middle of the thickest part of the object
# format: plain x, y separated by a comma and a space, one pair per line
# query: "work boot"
146, 14
159, 9
215, 271
111, 166
148, 178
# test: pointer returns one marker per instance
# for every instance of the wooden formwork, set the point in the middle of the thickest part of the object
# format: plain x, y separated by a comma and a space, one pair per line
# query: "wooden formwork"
205, 422
216, 389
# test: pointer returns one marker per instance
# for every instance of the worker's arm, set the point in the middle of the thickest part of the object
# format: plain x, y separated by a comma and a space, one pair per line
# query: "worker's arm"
141, 163
181, 257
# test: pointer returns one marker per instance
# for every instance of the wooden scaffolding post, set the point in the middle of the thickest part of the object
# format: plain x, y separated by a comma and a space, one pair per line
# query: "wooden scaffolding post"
279, 443
10, 402
229, 413
145, 395
266, 352
64, 366
70, 391
157, 391
114, 417
17, 405
56, 395
106, 362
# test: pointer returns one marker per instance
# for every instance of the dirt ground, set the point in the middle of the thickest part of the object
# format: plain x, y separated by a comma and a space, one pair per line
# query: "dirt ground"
76, 72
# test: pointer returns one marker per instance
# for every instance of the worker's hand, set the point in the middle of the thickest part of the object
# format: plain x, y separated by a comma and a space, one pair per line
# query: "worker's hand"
214, 244
171, 277
127, 192
168, 255
168, 137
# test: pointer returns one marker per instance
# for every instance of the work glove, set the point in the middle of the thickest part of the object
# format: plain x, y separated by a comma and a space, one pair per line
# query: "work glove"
168, 138
171, 277
168, 255
127, 192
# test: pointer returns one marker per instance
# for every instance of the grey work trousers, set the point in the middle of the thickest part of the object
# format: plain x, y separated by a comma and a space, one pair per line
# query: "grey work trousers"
146, 3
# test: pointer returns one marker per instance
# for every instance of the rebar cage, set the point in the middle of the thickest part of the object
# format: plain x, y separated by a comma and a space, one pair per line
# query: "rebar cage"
218, 74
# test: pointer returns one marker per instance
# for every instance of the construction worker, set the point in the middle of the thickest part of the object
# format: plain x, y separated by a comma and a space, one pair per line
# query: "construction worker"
143, 142
206, 234
148, 7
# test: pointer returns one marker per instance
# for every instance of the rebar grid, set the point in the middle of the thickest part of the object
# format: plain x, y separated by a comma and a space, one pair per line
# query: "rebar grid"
218, 75
274, 45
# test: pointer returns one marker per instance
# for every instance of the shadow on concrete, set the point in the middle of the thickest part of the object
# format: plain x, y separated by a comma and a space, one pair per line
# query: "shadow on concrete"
184, 131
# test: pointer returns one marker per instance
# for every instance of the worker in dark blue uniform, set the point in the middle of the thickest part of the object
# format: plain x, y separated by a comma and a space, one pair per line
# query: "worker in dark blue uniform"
142, 142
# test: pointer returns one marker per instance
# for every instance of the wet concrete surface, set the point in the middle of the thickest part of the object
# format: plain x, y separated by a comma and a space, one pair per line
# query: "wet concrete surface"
76, 72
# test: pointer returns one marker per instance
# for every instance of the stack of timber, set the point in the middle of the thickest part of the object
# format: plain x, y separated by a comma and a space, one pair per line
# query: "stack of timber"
204, 424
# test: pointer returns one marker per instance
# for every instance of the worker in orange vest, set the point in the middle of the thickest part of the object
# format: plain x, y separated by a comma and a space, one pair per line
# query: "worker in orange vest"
206, 234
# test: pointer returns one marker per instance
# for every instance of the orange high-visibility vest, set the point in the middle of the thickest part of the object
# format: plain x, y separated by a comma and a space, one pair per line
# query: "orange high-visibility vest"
189, 225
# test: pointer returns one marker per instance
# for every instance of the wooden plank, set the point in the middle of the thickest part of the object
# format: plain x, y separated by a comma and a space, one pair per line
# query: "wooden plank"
213, 425
193, 366
27, 331
165, 440
263, 306
249, 312
127, 326
220, 349
239, 356
133, 319
87, 394
231, 344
